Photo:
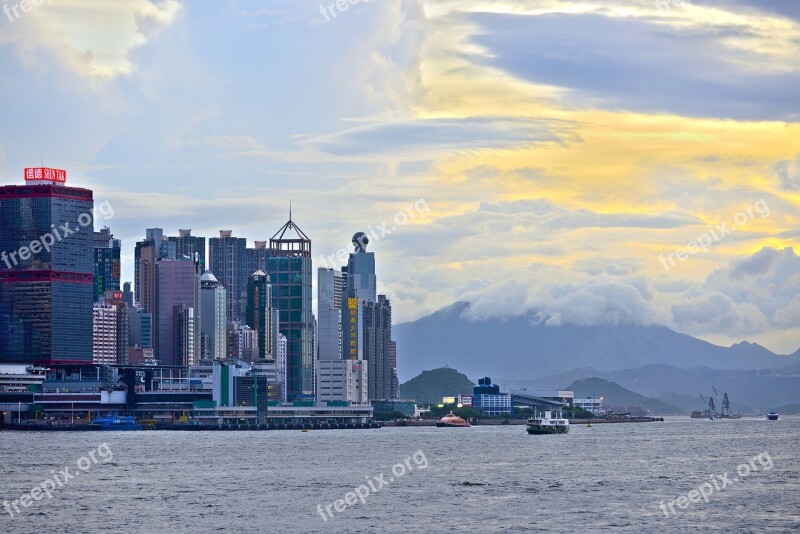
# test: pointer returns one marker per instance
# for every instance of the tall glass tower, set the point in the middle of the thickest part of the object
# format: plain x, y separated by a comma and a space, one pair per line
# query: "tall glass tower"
46, 273
229, 265
289, 268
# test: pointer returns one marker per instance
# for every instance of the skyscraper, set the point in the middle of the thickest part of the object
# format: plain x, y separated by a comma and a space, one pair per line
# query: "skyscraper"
46, 270
259, 314
214, 322
111, 329
361, 269
175, 325
107, 264
104, 344
256, 258
228, 263
186, 245
330, 286
377, 348
127, 294
289, 268
394, 391
361, 288
141, 327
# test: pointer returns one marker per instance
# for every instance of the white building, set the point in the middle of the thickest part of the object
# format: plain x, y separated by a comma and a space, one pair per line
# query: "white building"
590, 404
244, 342
104, 327
214, 320
342, 380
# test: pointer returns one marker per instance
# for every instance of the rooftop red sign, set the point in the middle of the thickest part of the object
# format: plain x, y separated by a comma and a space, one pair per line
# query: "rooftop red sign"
45, 174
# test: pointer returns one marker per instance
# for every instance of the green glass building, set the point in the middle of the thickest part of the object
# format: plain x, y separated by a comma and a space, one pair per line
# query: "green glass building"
289, 269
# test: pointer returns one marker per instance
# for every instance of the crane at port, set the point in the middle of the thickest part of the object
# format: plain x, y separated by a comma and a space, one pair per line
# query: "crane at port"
712, 408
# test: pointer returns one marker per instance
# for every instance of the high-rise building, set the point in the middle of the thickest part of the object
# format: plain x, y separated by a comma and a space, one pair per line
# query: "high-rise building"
178, 306
145, 255
141, 327
360, 288
110, 330
377, 347
215, 316
107, 266
361, 269
127, 294
330, 286
243, 342
104, 345
289, 268
283, 348
259, 314
183, 323
115, 298
228, 263
46, 270
256, 258
186, 245
394, 392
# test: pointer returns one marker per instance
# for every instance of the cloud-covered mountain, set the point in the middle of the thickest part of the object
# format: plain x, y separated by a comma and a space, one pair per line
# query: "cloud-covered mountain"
523, 348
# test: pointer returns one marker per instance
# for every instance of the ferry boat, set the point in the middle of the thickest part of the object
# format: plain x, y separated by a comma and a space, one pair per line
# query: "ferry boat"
112, 422
452, 420
772, 416
548, 423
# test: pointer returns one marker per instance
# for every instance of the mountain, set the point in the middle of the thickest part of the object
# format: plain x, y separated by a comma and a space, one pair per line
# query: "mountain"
688, 403
616, 395
748, 390
788, 409
430, 386
519, 347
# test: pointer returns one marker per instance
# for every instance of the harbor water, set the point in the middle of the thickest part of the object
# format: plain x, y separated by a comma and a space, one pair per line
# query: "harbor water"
603, 478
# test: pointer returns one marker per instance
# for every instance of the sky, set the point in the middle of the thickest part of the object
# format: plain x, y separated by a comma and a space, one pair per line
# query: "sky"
591, 162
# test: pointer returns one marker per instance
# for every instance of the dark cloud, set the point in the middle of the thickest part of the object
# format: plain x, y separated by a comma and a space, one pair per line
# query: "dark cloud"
634, 64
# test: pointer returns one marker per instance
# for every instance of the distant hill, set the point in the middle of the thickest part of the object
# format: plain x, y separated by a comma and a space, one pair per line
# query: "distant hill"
788, 409
616, 395
430, 386
689, 403
518, 347
749, 391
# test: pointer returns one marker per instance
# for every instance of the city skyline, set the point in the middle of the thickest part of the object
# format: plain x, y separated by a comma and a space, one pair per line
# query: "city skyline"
594, 187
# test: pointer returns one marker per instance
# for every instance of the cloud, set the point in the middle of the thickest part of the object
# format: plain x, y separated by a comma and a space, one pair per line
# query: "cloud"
788, 173
554, 217
91, 37
700, 69
599, 300
432, 136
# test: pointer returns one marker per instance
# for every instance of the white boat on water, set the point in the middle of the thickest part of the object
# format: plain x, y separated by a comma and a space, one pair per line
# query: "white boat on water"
550, 422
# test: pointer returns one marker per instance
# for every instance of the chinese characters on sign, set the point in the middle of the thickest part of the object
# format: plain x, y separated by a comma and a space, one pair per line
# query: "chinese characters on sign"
45, 174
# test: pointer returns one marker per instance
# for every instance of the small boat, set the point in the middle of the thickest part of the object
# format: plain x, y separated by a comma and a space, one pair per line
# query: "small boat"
452, 420
548, 423
112, 422
772, 416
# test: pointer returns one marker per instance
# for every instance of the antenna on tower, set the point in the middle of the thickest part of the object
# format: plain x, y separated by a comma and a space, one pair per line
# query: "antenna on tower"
290, 209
